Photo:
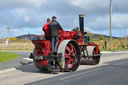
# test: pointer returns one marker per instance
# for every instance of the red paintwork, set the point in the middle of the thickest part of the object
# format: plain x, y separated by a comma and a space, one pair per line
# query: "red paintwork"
66, 35
41, 63
43, 47
92, 44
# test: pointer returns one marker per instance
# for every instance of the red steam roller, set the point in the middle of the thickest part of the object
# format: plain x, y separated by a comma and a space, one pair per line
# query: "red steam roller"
73, 49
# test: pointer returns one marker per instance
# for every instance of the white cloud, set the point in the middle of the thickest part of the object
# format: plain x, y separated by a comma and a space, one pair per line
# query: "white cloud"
4, 32
90, 5
32, 14
20, 10
12, 32
101, 23
120, 20
21, 3
27, 18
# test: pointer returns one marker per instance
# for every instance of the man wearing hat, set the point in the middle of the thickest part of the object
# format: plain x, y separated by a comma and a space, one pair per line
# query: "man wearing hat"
54, 26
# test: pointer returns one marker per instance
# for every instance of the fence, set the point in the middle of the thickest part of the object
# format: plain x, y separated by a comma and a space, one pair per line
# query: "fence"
17, 46
115, 44
29, 46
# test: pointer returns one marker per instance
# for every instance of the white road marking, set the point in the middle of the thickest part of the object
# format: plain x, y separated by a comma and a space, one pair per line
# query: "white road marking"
114, 52
80, 74
106, 52
28, 59
7, 70
12, 74
121, 52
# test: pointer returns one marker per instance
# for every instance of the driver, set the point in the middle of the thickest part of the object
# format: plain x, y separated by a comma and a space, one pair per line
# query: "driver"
54, 26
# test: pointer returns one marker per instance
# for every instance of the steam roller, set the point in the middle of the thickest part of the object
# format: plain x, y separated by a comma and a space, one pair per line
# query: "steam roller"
73, 49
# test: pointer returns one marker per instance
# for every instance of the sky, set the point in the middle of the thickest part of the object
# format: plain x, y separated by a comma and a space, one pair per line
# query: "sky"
29, 16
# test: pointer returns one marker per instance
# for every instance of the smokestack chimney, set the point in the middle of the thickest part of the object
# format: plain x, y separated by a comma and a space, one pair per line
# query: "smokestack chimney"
81, 23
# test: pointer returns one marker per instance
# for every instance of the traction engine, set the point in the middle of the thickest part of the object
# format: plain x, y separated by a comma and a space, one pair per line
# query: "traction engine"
73, 50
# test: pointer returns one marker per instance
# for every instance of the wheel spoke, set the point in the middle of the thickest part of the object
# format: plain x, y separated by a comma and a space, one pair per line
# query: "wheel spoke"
67, 56
72, 48
68, 49
69, 61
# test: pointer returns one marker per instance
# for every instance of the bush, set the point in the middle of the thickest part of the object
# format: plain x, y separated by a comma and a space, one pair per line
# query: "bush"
122, 46
127, 45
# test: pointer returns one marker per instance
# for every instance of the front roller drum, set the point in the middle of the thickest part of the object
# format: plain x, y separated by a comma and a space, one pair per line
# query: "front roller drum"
91, 60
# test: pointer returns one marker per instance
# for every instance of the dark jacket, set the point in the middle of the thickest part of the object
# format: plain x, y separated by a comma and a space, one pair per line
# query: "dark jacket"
54, 26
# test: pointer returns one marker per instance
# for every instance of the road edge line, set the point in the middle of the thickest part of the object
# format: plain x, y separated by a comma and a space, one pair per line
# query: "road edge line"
7, 70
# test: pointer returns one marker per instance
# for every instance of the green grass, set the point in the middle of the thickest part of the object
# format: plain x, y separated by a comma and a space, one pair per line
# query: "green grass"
5, 56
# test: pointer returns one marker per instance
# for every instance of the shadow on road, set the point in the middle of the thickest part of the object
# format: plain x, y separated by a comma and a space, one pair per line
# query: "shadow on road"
30, 67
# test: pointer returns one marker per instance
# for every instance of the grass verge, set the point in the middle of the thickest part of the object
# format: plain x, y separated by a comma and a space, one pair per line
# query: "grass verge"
116, 49
5, 56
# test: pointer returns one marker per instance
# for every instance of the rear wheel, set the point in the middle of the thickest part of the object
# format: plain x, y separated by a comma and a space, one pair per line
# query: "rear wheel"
72, 58
70, 55
40, 64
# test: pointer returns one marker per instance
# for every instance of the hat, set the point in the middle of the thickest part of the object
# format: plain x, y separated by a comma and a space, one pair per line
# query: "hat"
54, 17
85, 32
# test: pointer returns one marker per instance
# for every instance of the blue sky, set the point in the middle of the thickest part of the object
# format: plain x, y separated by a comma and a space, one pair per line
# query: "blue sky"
28, 16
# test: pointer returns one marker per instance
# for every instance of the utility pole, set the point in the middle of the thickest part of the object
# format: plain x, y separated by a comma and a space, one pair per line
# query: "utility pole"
7, 35
125, 35
110, 24
8, 32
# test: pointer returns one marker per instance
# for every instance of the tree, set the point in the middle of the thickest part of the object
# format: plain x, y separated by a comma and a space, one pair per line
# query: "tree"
76, 29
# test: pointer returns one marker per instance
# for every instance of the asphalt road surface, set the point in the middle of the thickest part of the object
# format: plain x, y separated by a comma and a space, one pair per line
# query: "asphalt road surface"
112, 70
22, 60
112, 74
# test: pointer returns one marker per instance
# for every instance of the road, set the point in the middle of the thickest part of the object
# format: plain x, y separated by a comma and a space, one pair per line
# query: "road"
22, 60
112, 70
113, 74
